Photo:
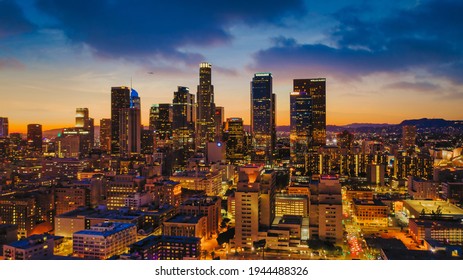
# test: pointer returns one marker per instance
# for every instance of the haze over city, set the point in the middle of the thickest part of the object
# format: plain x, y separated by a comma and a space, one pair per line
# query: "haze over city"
383, 63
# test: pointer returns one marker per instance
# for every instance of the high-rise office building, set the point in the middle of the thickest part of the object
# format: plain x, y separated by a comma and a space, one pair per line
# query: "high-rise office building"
161, 124
34, 137
130, 127
219, 120
105, 135
183, 126
263, 125
82, 118
120, 99
408, 136
206, 106
84, 130
234, 139
300, 128
3, 127
247, 206
316, 88
147, 140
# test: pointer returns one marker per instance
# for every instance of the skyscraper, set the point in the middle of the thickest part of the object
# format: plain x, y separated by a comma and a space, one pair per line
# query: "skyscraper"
183, 126
82, 118
105, 135
3, 127
84, 128
34, 137
263, 128
130, 126
218, 120
300, 129
408, 136
316, 88
161, 124
120, 99
206, 106
234, 139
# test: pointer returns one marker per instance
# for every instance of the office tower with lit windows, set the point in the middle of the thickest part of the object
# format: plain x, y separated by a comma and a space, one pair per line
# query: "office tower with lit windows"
20, 211
234, 139
263, 124
82, 132
84, 121
34, 137
219, 122
3, 127
147, 141
183, 126
247, 206
316, 88
300, 128
254, 204
408, 136
161, 117
120, 100
206, 107
105, 135
130, 127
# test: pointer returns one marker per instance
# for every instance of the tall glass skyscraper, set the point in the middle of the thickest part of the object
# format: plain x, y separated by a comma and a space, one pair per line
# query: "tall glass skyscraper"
34, 137
130, 126
316, 88
263, 118
120, 99
183, 126
161, 124
206, 106
300, 129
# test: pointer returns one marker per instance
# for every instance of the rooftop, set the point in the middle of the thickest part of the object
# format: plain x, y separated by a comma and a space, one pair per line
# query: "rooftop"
31, 241
185, 219
152, 239
447, 208
105, 229
374, 202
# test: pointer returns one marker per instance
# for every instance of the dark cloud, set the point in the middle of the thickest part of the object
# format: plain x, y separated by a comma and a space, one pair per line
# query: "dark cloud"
12, 19
428, 36
134, 29
420, 86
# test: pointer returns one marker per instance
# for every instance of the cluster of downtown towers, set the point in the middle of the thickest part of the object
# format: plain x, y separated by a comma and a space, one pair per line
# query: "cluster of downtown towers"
186, 127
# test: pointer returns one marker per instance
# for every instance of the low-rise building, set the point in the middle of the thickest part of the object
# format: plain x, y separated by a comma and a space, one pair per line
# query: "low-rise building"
209, 182
188, 226
33, 247
208, 206
165, 247
423, 189
291, 205
447, 231
104, 240
429, 208
370, 213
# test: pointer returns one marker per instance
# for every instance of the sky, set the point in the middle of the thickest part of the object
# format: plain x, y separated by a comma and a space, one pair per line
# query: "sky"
384, 61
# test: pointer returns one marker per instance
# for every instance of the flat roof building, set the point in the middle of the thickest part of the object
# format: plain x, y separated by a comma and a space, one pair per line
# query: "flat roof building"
104, 240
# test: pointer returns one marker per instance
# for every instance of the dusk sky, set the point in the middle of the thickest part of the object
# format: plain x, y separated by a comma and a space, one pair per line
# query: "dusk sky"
384, 61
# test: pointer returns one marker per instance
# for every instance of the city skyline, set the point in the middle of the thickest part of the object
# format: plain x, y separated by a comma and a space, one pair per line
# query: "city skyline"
383, 63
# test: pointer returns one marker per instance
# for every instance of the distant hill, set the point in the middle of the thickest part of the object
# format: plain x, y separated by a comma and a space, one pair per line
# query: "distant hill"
434, 123
373, 125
